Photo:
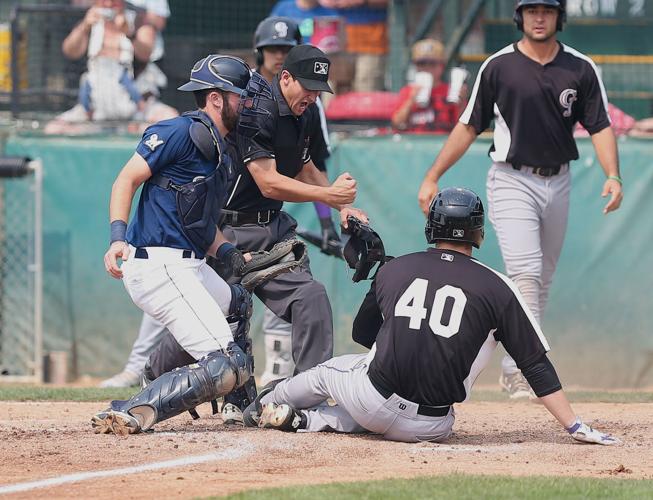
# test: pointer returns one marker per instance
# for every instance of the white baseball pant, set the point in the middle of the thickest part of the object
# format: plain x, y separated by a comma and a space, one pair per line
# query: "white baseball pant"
184, 294
359, 406
529, 215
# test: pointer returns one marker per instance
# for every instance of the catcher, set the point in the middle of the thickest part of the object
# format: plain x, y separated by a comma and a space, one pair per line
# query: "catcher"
431, 320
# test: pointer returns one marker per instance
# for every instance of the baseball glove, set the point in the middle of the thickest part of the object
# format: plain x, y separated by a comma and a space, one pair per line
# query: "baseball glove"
263, 266
582, 432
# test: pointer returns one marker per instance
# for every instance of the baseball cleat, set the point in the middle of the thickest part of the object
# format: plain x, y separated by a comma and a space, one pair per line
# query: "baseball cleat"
115, 422
516, 386
253, 411
231, 415
125, 378
281, 417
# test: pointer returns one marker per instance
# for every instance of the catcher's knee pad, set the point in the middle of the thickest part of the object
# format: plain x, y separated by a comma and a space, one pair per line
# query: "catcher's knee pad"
243, 396
189, 386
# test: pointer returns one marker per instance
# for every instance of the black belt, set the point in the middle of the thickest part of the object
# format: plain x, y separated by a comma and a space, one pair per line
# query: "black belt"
541, 171
235, 218
424, 410
141, 253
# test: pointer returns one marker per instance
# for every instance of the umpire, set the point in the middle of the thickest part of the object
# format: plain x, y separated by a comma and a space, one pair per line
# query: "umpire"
277, 136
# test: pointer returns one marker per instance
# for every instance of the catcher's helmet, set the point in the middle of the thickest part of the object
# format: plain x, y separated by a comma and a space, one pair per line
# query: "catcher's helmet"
219, 72
559, 4
456, 214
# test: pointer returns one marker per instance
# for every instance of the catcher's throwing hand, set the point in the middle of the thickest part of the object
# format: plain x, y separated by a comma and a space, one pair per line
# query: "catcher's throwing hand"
427, 192
117, 250
585, 434
612, 187
353, 212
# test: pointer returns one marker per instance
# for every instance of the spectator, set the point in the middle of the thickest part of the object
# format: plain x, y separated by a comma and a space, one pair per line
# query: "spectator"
112, 42
367, 39
421, 109
303, 12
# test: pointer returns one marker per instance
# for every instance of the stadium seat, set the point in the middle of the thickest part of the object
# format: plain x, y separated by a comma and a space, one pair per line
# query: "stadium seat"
374, 108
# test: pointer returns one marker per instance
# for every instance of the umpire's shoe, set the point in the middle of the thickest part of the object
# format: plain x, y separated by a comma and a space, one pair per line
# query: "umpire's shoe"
282, 417
252, 413
115, 422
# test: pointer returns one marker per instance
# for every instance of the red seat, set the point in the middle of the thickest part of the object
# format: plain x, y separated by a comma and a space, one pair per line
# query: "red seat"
362, 106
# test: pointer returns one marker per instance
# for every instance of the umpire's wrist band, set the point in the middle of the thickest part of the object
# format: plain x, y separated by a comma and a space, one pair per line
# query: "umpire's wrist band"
616, 178
118, 230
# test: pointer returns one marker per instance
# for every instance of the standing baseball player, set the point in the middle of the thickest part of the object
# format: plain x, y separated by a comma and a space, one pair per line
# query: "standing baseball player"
184, 170
273, 39
278, 134
535, 90
432, 320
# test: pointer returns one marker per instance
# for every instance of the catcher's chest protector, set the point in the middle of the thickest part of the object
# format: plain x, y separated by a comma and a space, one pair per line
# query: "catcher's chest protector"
200, 201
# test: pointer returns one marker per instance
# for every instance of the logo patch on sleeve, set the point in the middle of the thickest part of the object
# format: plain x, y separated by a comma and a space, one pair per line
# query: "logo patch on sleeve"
153, 142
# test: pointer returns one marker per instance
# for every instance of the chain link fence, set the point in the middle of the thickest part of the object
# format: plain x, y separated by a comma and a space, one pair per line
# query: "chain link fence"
20, 270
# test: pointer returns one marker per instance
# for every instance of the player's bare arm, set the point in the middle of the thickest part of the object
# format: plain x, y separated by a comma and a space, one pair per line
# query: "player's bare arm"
461, 137
135, 172
280, 187
605, 145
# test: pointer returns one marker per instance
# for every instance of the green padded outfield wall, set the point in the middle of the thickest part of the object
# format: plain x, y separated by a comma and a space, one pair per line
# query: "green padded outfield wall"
598, 319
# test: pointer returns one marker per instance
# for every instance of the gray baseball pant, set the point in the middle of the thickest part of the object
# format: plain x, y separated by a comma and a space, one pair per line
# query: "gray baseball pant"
359, 406
149, 335
295, 296
529, 215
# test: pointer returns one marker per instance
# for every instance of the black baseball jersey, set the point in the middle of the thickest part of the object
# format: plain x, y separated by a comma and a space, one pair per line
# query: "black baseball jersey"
441, 315
291, 140
535, 107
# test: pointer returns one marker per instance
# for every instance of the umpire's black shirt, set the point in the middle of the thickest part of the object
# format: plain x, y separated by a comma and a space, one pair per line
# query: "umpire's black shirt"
535, 107
439, 315
290, 140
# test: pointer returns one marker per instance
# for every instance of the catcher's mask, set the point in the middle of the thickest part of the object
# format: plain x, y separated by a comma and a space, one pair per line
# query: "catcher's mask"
559, 4
363, 250
216, 71
456, 214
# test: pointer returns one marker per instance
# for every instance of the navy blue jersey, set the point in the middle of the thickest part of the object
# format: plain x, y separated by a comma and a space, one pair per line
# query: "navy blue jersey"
168, 150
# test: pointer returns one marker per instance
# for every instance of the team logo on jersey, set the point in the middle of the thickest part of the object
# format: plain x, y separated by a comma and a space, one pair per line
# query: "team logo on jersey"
282, 29
153, 142
567, 99
447, 256
458, 233
321, 68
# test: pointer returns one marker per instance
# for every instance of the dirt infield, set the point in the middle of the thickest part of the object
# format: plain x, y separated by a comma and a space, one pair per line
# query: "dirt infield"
54, 440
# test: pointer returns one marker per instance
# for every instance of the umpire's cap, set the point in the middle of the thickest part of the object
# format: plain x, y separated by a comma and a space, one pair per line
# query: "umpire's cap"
277, 31
456, 214
219, 72
310, 66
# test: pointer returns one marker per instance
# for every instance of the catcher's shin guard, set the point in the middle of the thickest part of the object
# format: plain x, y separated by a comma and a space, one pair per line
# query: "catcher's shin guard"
187, 387
240, 312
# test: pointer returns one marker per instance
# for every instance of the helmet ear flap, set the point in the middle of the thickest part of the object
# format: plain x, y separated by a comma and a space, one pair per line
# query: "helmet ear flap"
518, 19
259, 58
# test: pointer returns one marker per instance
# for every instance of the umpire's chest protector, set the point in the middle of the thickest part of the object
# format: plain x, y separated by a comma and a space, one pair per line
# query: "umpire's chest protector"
200, 201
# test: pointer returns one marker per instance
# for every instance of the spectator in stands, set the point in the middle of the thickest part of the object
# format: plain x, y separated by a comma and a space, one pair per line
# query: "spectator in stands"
111, 40
303, 12
422, 109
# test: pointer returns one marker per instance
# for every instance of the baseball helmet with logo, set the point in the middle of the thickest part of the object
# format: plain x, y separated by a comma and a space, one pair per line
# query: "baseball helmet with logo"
275, 31
219, 72
456, 214
559, 4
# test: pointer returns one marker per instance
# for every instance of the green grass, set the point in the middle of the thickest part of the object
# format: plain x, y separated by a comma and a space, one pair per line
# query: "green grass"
459, 486
44, 393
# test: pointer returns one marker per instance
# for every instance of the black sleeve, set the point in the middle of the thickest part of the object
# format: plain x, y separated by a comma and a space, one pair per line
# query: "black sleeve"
318, 148
256, 131
519, 332
542, 377
593, 102
479, 112
368, 321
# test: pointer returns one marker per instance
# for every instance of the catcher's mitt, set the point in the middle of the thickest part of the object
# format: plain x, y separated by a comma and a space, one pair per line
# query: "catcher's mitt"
282, 257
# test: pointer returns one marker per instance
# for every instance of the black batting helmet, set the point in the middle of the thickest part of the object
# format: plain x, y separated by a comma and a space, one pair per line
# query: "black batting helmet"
456, 214
216, 71
275, 31
559, 4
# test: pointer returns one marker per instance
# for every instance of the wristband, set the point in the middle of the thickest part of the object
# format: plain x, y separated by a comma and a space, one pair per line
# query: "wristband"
224, 249
616, 178
118, 230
